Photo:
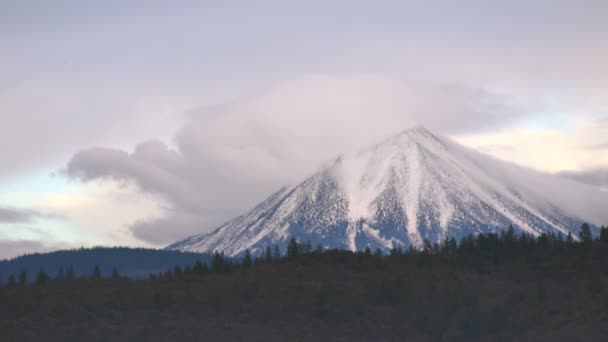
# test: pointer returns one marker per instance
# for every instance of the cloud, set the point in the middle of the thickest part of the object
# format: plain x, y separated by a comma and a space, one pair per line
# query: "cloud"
120, 73
15, 215
227, 158
597, 176
14, 248
602, 146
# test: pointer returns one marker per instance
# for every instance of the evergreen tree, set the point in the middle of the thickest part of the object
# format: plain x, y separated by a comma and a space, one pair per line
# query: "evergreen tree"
452, 246
96, 273
41, 278
428, 247
217, 262
319, 248
115, 274
585, 234
604, 234
199, 268
12, 281
247, 260
569, 238
178, 273
187, 271
60, 274
292, 249
22, 278
268, 254
509, 234
378, 254
70, 274
276, 253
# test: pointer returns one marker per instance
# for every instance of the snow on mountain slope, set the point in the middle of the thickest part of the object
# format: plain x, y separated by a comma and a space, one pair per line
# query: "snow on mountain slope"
411, 187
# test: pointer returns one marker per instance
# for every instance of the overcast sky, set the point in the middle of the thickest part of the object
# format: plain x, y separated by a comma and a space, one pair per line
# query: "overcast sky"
142, 122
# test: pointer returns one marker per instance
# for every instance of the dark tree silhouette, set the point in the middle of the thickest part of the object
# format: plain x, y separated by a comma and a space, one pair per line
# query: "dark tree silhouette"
12, 281
115, 274
585, 234
267, 256
96, 273
22, 278
276, 253
292, 249
71, 273
60, 274
247, 262
42, 278
604, 234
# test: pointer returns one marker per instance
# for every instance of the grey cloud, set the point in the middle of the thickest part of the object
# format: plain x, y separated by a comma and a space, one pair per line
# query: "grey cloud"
15, 215
497, 147
170, 228
597, 177
14, 248
601, 146
228, 159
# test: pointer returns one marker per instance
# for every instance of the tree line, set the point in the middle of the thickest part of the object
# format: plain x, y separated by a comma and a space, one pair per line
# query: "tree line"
496, 247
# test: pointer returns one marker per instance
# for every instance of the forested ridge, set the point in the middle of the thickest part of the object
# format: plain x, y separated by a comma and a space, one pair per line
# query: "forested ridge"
494, 287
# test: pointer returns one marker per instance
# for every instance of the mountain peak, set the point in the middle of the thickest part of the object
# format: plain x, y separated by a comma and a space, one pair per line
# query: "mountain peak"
413, 131
412, 187
409, 142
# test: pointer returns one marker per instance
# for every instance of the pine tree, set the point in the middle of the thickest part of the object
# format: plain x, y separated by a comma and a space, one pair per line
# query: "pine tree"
187, 271
12, 281
569, 238
199, 268
96, 273
268, 254
276, 253
452, 245
306, 247
585, 234
378, 254
178, 272
41, 278
60, 274
319, 248
70, 274
247, 260
428, 247
22, 278
217, 262
292, 249
115, 274
604, 234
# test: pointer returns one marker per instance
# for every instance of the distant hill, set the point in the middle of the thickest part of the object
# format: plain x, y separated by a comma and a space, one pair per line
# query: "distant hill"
131, 262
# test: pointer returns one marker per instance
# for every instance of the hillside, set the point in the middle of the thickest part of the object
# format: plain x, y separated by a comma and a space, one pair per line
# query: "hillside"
132, 262
488, 288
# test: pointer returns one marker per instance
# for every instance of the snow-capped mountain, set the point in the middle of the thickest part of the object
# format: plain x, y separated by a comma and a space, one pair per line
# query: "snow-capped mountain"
411, 187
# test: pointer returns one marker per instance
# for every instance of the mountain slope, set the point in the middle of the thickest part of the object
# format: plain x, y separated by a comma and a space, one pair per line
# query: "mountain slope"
412, 187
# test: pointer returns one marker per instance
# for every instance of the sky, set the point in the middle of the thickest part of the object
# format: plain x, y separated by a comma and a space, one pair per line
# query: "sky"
142, 122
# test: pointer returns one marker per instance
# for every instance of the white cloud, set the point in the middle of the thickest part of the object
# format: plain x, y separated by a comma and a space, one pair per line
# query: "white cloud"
552, 150
230, 157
